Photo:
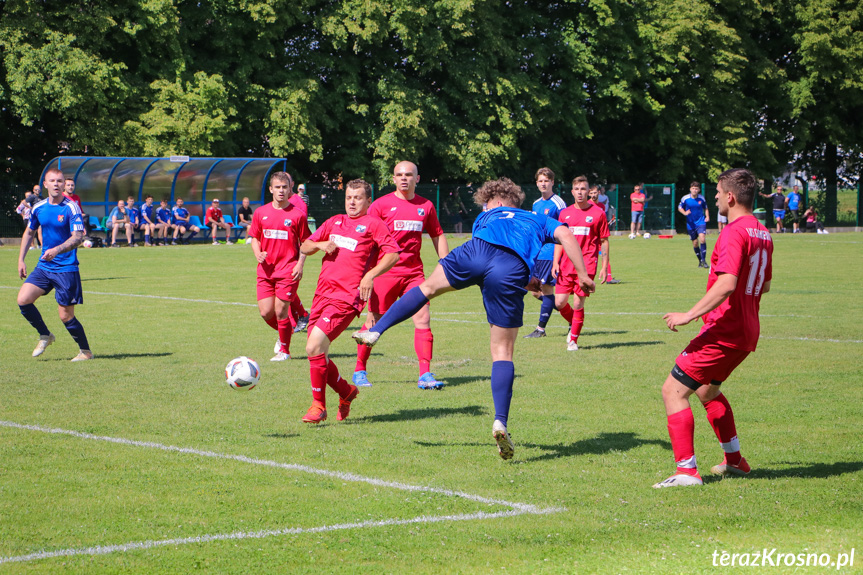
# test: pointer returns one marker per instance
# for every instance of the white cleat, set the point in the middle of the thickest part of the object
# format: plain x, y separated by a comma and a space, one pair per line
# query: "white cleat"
364, 337
83, 355
504, 443
679, 480
278, 347
571, 346
44, 342
281, 356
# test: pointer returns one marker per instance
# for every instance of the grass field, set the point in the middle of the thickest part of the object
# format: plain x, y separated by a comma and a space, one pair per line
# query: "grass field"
413, 483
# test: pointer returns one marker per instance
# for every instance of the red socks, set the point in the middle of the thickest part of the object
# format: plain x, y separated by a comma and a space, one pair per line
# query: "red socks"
297, 309
286, 329
363, 354
273, 322
423, 345
681, 430
336, 381
721, 419
318, 372
566, 313
577, 324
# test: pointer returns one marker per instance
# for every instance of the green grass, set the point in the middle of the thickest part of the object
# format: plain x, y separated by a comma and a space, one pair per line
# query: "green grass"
589, 427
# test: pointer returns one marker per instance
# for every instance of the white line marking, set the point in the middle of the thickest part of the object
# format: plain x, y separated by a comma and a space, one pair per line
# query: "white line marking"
515, 508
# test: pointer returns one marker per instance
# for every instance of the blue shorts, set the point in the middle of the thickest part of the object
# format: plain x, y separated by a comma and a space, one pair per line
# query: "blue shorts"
542, 272
637, 217
779, 214
694, 231
67, 284
500, 274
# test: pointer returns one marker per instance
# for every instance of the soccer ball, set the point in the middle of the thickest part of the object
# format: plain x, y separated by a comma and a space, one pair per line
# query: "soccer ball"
88, 243
242, 373
248, 241
646, 236
632, 236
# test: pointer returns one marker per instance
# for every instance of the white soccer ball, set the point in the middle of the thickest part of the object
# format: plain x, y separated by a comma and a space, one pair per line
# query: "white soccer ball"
632, 236
646, 236
248, 240
87, 243
243, 373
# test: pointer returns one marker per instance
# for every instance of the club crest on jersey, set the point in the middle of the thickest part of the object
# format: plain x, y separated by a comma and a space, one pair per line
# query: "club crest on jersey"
588, 219
421, 211
287, 223
546, 211
61, 217
361, 228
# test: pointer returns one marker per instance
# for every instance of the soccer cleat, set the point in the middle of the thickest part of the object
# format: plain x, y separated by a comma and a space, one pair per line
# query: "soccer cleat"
229, 243
83, 355
535, 333
679, 480
278, 347
361, 379
345, 404
44, 341
571, 346
740, 470
174, 243
612, 281
215, 243
316, 413
365, 337
302, 323
281, 356
504, 442
429, 381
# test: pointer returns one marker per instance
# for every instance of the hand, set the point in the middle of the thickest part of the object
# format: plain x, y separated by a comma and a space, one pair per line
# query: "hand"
261, 257
22, 270
330, 247
297, 273
587, 285
602, 276
366, 287
555, 269
673, 320
50, 254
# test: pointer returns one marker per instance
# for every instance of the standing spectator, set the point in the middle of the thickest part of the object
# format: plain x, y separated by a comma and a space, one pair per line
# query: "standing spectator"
778, 200
301, 191
117, 219
148, 220
181, 223
69, 192
163, 221
598, 197
637, 201
214, 220
33, 199
792, 202
812, 222
244, 217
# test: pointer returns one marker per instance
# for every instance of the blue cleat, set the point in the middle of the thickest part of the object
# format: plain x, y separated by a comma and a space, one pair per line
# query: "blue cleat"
429, 381
361, 379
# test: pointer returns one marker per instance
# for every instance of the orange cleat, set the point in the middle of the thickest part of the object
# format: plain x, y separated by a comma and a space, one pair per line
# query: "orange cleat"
316, 413
741, 469
345, 403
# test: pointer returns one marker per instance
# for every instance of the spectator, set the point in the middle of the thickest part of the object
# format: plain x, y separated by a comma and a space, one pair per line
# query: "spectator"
637, 201
778, 200
163, 221
214, 220
301, 191
24, 209
148, 221
33, 199
119, 218
69, 192
812, 222
598, 198
244, 217
181, 223
134, 216
792, 202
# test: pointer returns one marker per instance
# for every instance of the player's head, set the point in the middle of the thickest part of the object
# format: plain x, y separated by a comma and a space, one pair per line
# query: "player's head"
246, 202
179, 202
544, 179
504, 192
53, 182
281, 186
69, 186
148, 199
130, 201
735, 187
694, 188
580, 190
163, 202
406, 177
358, 198
215, 202
593, 193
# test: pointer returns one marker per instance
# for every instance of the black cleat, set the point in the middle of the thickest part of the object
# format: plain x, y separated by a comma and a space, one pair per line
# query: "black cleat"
535, 333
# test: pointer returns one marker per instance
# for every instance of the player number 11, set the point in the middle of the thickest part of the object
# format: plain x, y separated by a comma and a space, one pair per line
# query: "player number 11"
757, 265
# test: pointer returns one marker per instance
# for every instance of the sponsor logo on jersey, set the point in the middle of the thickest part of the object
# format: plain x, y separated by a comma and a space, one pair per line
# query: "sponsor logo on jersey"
276, 234
588, 219
408, 225
421, 211
361, 228
343, 242
580, 230
288, 223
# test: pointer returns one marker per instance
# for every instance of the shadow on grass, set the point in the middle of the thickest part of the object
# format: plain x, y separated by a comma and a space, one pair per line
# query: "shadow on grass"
602, 443
815, 470
464, 380
104, 279
415, 414
122, 356
282, 435
620, 344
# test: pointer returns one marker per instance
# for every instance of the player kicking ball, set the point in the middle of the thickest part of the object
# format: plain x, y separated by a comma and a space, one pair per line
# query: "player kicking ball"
740, 273
589, 226
498, 259
351, 243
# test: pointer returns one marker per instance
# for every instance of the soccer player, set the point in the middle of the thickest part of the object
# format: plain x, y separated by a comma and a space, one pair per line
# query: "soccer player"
589, 226
148, 220
181, 219
550, 205
740, 273
694, 208
792, 203
278, 228
358, 248
214, 220
298, 311
63, 232
163, 215
135, 219
407, 216
498, 259
69, 192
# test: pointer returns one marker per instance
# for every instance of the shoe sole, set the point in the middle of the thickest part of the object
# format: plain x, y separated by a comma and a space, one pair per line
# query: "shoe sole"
504, 445
360, 337
315, 421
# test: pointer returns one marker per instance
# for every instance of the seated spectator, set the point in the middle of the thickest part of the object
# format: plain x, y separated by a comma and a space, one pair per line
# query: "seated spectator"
69, 192
134, 216
181, 223
244, 217
163, 221
148, 221
812, 222
214, 220
119, 219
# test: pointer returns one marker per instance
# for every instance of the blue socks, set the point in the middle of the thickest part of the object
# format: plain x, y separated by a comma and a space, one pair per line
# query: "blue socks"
405, 307
31, 314
502, 377
703, 249
76, 330
545, 310
698, 252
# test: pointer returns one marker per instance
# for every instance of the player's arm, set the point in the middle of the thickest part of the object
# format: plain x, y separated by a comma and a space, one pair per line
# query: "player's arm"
256, 249
718, 293
441, 246
386, 262
567, 241
603, 270
766, 287
72, 243
26, 240
309, 247
682, 210
555, 261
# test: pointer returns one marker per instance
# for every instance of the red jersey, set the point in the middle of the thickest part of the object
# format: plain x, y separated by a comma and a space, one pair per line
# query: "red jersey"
75, 198
406, 221
361, 241
213, 214
744, 249
637, 207
280, 233
589, 227
297, 201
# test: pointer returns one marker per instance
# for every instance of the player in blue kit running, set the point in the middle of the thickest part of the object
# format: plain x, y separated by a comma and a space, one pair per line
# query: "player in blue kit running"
498, 259
694, 208
62, 233
550, 205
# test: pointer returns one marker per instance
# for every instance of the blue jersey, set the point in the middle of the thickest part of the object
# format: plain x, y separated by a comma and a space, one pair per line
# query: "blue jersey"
134, 215
147, 214
697, 208
793, 201
58, 222
181, 215
164, 215
116, 212
522, 232
549, 208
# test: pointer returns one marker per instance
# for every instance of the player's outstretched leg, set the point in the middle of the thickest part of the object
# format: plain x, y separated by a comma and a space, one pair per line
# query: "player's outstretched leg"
404, 308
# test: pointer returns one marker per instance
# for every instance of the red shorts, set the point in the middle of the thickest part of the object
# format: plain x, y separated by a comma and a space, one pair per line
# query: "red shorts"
706, 362
568, 284
388, 288
283, 288
332, 316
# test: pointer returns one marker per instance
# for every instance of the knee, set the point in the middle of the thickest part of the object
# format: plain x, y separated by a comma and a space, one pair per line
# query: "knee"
67, 315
